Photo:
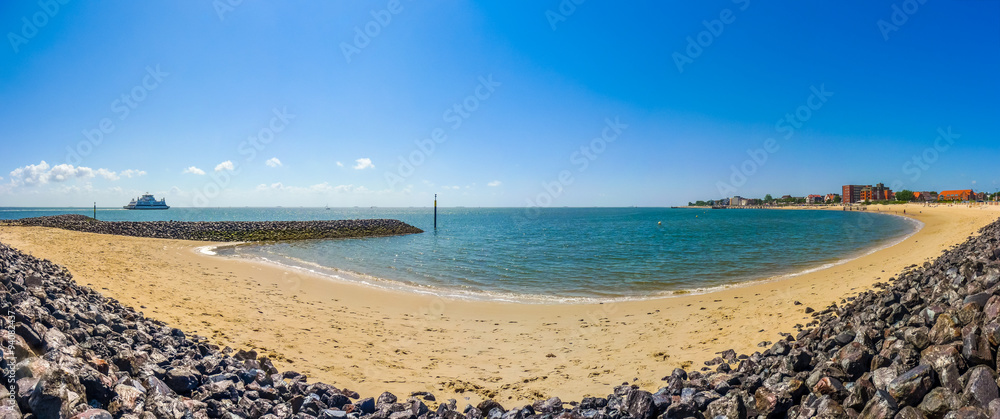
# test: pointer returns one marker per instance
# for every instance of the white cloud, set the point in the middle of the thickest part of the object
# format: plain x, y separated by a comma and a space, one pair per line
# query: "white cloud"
107, 174
494, 183
973, 182
226, 165
42, 173
64, 172
339, 164
456, 187
273, 162
132, 173
194, 171
275, 186
364, 163
32, 174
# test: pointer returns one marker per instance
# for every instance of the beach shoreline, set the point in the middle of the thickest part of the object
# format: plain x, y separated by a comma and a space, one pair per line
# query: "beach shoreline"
349, 336
341, 275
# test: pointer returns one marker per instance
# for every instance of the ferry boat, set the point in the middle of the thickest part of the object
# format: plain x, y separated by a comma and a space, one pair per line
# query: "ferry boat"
147, 202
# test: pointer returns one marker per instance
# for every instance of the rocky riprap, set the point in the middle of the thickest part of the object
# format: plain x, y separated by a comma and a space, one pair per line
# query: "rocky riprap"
225, 231
922, 346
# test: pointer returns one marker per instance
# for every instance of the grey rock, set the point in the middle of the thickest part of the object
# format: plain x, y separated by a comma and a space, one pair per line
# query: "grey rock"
93, 414
640, 405
853, 358
881, 405
981, 387
910, 387
182, 380
551, 405
945, 330
909, 412
727, 407
772, 403
56, 394
947, 362
938, 402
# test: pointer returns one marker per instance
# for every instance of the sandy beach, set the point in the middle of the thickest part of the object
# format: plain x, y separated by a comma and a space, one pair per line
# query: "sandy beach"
373, 340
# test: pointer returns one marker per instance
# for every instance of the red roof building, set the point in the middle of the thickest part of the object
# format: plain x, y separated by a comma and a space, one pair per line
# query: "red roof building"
957, 195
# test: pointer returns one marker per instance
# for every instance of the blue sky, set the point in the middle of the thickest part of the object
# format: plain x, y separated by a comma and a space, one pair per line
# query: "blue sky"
547, 103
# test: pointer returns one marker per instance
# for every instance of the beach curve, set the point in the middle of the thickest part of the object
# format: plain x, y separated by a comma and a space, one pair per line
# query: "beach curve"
348, 335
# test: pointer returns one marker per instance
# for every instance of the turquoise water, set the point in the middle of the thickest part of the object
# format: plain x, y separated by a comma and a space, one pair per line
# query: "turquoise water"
559, 253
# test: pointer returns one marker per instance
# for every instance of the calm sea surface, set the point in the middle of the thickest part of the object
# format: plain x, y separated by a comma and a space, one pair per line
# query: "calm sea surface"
556, 254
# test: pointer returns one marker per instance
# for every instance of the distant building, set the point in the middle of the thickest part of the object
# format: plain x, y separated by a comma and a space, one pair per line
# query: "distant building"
814, 199
957, 195
754, 201
786, 197
981, 196
861, 193
852, 193
737, 201
925, 196
876, 193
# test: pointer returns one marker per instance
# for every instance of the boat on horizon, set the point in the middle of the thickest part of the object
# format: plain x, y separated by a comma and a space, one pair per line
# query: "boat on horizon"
147, 202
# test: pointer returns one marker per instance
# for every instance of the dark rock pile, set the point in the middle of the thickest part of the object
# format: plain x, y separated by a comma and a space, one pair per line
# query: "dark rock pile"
226, 231
923, 346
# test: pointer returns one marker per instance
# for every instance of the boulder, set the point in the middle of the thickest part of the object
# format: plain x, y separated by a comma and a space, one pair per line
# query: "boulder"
93, 414
729, 407
975, 348
882, 405
182, 380
772, 403
909, 412
98, 386
829, 386
640, 404
947, 362
938, 402
945, 330
56, 394
910, 387
853, 358
552, 405
980, 387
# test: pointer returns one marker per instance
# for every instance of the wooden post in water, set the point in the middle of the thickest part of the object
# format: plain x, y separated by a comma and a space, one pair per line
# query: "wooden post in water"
435, 211
95, 210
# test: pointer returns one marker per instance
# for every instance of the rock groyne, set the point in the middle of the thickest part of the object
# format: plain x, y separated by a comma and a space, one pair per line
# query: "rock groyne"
225, 231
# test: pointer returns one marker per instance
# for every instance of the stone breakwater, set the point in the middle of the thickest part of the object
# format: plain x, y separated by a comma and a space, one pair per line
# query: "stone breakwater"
920, 346
226, 231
